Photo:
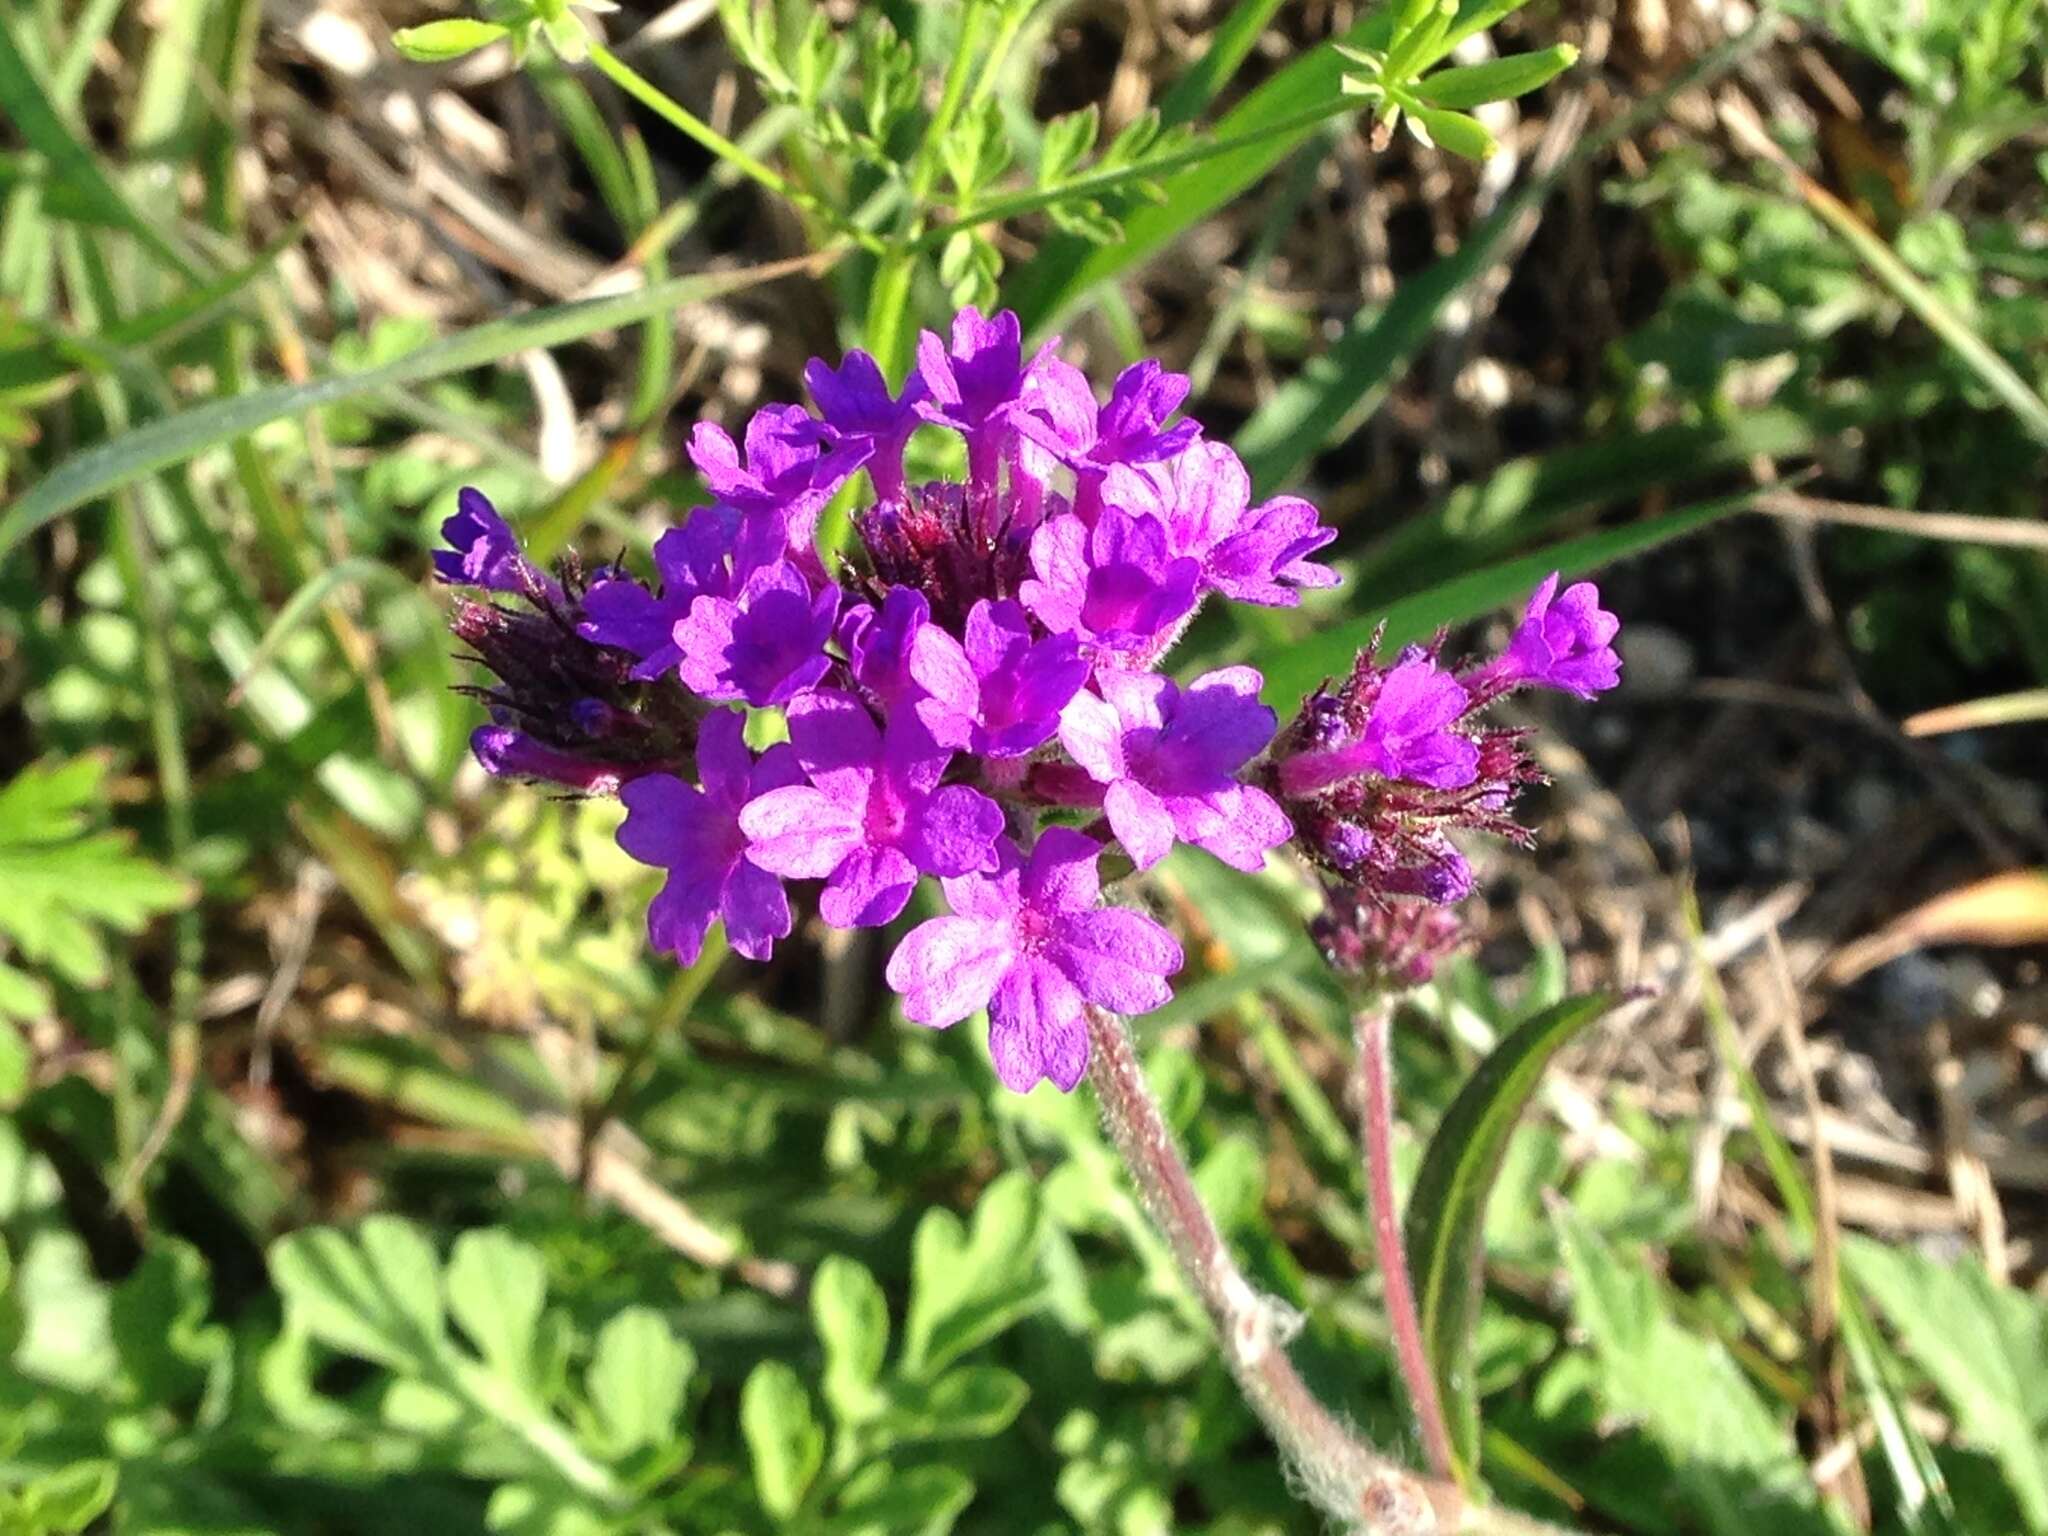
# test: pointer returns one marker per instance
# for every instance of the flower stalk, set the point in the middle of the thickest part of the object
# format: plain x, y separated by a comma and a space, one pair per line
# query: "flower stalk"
1374, 1038
1343, 1474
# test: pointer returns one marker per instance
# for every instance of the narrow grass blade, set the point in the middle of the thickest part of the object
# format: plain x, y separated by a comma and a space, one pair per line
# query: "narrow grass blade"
173, 439
1291, 672
1447, 1208
26, 105
358, 570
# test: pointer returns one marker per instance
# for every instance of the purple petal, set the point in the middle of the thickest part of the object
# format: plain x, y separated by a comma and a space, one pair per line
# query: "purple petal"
1061, 875
800, 832
1117, 958
1248, 824
756, 911
1140, 820
868, 888
724, 765
1031, 1019
952, 703
949, 967
1093, 733
954, 832
836, 741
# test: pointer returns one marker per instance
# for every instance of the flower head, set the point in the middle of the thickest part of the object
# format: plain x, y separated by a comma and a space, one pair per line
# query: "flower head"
694, 833
873, 816
984, 658
1031, 942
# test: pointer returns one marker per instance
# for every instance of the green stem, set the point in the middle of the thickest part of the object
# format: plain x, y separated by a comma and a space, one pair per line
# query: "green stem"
672, 112
1111, 181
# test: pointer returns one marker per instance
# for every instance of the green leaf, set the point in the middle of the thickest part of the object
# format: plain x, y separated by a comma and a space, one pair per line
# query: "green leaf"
1447, 1207
969, 1402
1474, 85
1454, 131
1984, 1346
881, 1500
783, 1436
1733, 1461
1067, 141
967, 1288
1292, 671
63, 884
638, 1375
440, 41
378, 1298
496, 1287
68, 1500
852, 1318
172, 439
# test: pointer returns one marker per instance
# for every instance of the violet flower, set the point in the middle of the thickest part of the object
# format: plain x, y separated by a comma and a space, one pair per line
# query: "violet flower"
975, 385
1117, 587
694, 833
878, 644
998, 694
1565, 642
765, 645
1168, 762
486, 552
1091, 439
1032, 943
873, 815
1407, 735
1203, 499
861, 414
695, 560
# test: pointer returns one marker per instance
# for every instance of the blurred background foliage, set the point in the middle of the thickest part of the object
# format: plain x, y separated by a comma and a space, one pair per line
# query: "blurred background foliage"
363, 1172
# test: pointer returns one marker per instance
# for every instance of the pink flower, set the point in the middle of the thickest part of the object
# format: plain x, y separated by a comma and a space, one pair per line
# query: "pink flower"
695, 835
1033, 944
873, 815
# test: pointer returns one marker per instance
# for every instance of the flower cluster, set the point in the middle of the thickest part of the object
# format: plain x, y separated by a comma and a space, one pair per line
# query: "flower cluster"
975, 693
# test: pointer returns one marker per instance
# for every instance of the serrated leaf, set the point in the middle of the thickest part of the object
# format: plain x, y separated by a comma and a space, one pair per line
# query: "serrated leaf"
968, 1286
63, 883
69, 1499
782, 1435
378, 1298
1733, 1460
881, 1500
1984, 1346
638, 1375
1447, 1207
496, 1287
1066, 143
1474, 85
852, 1318
438, 42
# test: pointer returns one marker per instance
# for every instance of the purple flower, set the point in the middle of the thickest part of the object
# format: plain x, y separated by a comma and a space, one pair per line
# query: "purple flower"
860, 413
999, 694
765, 645
486, 551
1203, 499
1563, 642
1407, 735
1063, 418
695, 560
976, 385
1168, 762
788, 460
1116, 586
695, 835
1033, 944
873, 814
509, 753
879, 643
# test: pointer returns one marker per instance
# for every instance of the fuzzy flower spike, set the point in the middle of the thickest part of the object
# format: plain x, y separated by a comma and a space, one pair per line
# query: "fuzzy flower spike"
980, 673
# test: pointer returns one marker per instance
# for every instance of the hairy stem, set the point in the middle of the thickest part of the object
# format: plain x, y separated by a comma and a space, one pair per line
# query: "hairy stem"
1374, 1032
1342, 1473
